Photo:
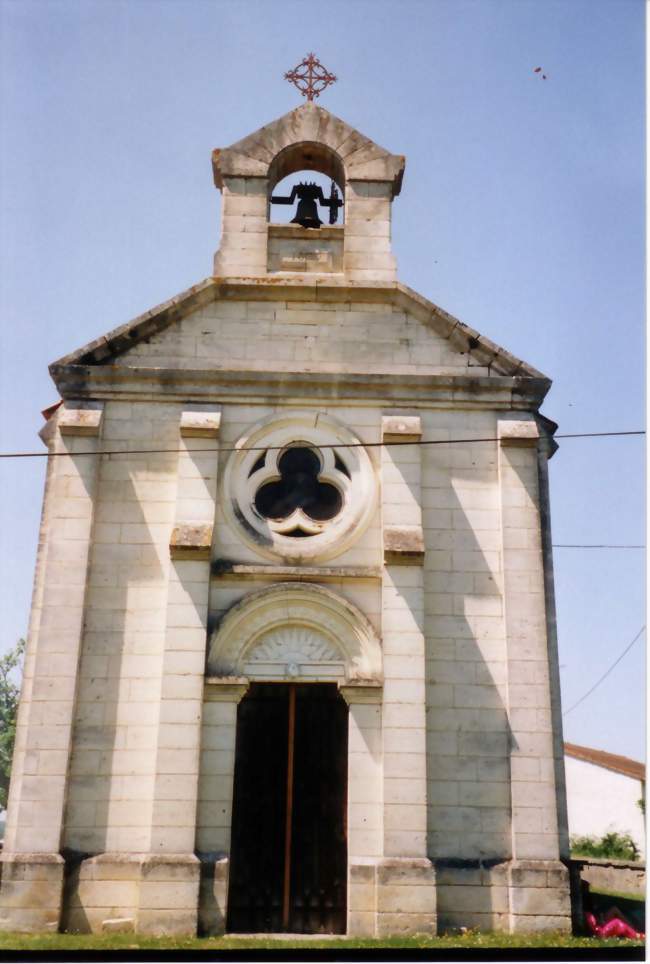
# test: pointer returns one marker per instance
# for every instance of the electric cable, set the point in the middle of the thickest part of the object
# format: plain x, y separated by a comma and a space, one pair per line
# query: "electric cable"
567, 545
606, 673
274, 448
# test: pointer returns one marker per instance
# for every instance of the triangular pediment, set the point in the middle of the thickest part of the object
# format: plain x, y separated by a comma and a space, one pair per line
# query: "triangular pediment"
362, 158
234, 326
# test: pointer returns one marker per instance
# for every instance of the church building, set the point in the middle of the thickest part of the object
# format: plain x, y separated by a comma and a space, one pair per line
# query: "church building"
292, 661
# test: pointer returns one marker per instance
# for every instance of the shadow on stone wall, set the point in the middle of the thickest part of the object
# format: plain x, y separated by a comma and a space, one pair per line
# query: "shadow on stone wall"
114, 744
468, 733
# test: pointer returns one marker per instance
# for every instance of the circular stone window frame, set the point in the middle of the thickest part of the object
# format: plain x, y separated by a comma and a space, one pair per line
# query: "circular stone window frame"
272, 437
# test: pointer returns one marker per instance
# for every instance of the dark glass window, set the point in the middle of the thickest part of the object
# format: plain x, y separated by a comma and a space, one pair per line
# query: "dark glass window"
299, 487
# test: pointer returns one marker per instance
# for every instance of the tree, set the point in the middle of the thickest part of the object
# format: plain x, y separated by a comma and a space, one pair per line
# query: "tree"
9, 695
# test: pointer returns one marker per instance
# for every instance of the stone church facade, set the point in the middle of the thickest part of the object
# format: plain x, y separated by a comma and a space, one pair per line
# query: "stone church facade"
292, 660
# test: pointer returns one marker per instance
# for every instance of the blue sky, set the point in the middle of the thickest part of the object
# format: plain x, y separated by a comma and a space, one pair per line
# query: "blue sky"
522, 213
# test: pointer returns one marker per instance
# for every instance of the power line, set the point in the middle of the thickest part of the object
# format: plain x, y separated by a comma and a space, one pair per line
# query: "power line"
566, 545
598, 434
606, 673
273, 448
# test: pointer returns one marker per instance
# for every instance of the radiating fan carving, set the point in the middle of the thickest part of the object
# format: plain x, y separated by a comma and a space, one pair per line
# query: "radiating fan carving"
297, 644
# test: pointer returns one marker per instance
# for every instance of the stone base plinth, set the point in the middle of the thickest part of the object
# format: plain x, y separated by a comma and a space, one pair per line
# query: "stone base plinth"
169, 895
391, 896
32, 892
540, 898
100, 889
472, 895
507, 895
148, 893
213, 894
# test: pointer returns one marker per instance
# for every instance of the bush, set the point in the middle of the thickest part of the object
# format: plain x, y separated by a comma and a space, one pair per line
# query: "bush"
613, 846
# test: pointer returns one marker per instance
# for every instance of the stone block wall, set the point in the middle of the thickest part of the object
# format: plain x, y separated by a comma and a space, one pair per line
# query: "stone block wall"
294, 248
617, 875
467, 716
244, 228
117, 714
132, 892
451, 760
368, 254
337, 336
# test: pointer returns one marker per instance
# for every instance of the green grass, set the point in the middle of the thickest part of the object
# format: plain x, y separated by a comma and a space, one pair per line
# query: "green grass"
632, 905
66, 942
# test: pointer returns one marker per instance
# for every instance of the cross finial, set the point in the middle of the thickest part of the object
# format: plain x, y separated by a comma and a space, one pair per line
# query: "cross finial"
310, 77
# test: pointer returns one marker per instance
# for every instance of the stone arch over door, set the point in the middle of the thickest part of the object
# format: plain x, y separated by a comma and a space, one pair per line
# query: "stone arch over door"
296, 631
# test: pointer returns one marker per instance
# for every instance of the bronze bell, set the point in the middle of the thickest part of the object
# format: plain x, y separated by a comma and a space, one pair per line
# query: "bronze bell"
309, 197
307, 212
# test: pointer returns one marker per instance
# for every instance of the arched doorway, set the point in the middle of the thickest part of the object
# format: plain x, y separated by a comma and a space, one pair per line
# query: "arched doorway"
303, 639
288, 860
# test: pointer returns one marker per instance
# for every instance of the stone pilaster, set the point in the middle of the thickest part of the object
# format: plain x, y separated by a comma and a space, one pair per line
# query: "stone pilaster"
32, 878
367, 254
214, 819
365, 812
405, 883
538, 884
545, 450
168, 893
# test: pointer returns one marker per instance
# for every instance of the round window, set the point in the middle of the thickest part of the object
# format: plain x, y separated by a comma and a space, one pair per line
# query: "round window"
299, 486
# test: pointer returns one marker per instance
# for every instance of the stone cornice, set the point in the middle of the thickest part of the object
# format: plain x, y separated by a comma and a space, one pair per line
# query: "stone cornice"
447, 390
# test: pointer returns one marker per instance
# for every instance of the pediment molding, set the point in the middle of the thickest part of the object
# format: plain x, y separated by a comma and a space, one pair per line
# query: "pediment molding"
80, 369
360, 157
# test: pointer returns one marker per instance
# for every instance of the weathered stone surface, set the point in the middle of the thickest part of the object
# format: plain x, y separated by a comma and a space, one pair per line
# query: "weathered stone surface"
118, 925
80, 421
200, 424
513, 432
191, 541
402, 428
403, 545
613, 875
31, 892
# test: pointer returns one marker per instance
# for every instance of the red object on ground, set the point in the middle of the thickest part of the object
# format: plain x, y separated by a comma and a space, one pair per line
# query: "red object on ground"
613, 928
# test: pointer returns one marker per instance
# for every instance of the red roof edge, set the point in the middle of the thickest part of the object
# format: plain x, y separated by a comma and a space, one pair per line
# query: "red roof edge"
48, 412
610, 761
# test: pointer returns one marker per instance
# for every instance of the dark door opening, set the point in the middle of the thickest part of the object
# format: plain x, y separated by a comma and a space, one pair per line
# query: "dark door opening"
288, 855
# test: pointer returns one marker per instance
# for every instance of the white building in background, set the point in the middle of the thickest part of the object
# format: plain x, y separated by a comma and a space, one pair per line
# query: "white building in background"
603, 793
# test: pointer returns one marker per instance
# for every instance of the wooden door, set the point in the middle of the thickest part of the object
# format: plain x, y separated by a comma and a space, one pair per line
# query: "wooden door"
288, 864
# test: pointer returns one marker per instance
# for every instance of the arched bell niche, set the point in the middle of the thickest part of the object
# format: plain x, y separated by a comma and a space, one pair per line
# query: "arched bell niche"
307, 162
306, 156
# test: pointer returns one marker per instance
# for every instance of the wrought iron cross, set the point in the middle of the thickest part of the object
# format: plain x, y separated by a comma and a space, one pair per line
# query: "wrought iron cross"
310, 77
